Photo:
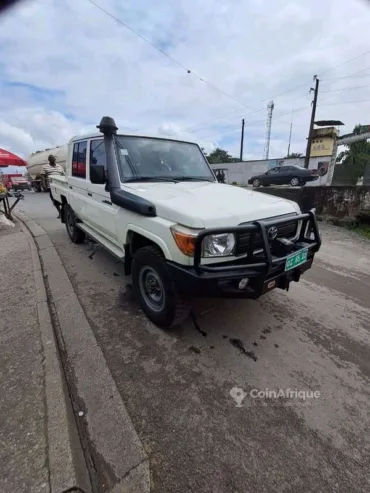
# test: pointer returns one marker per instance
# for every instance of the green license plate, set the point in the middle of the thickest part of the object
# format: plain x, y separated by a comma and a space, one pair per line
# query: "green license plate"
296, 259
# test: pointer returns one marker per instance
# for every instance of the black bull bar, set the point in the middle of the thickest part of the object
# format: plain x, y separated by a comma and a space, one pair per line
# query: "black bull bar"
261, 227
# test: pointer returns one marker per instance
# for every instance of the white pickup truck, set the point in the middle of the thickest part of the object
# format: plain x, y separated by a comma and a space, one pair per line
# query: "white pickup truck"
156, 205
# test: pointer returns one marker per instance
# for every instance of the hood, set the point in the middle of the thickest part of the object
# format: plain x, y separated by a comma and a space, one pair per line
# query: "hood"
206, 205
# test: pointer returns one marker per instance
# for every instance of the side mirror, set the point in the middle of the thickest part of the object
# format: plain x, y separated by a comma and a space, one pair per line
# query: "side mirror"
97, 175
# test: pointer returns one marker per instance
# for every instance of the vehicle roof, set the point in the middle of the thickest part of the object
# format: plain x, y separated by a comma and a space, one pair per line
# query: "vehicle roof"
100, 135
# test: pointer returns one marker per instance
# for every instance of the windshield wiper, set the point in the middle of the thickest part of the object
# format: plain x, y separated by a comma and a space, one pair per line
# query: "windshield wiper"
151, 178
192, 178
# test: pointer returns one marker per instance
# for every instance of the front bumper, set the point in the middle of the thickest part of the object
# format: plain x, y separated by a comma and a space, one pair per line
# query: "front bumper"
265, 270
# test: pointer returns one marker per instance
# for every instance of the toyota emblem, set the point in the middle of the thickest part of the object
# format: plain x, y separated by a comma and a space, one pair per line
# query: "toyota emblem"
272, 232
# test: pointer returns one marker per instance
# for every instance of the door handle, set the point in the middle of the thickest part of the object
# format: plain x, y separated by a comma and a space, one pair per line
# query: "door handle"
89, 194
107, 202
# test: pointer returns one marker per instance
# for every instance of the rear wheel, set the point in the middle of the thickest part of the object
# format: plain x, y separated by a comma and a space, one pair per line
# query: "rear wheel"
256, 183
294, 181
76, 235
155, 289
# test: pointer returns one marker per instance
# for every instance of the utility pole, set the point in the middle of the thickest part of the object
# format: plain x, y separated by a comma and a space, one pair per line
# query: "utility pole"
313, 113
242, 141
290, 133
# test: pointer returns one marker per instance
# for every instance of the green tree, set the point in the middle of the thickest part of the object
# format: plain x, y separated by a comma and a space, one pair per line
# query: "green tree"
221, 156
357, 155
294, 154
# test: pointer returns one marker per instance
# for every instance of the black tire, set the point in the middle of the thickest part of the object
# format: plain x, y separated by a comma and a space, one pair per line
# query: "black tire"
294, 181
163, 305
76, 235
256, 183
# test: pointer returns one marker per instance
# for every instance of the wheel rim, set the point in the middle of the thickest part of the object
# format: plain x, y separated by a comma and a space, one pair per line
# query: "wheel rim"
151, 288
294, 182
256, 183
70, 223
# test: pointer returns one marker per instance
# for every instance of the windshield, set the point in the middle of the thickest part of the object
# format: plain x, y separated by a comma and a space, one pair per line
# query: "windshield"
141, 158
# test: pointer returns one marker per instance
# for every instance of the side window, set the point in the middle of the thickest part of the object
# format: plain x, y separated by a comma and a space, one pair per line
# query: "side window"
97, 159
79, 159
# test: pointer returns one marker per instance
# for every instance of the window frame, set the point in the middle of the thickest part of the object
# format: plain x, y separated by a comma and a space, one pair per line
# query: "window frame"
77, 143
94, 139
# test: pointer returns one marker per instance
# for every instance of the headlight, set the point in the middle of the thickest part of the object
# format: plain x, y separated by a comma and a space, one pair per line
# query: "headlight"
220, 245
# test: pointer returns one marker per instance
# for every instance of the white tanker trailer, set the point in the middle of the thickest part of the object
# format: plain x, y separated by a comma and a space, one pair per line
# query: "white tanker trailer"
36, 161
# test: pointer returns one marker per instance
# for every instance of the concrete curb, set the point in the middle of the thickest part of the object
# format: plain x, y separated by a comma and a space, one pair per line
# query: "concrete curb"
67, 466
115, 456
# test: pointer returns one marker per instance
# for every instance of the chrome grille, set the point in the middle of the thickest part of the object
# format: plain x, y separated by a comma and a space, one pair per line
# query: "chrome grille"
285, 230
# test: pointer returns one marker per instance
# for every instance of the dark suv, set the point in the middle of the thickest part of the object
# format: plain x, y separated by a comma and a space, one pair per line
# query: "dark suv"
284, 175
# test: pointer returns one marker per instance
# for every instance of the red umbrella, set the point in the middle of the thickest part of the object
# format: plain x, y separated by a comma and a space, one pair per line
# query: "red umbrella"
9, 159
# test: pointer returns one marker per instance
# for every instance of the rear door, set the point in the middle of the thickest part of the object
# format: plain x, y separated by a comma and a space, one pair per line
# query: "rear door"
273, 177
77, 180
100, 212
285, 175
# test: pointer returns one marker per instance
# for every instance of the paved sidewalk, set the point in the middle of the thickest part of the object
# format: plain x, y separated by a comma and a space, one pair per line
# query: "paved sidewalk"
23, 449
35, 428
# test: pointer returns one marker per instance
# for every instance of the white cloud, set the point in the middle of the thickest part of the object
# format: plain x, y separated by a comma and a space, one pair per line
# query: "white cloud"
66, 64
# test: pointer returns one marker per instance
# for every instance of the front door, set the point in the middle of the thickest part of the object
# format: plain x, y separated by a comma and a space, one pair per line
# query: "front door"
100, 212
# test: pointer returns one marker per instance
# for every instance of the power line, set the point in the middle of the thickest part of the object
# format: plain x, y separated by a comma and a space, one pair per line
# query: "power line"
356, 74
303, 85
345, 89
345, 102
169, 56
248, 124
179, 64
195, 128
284, 92
347, 61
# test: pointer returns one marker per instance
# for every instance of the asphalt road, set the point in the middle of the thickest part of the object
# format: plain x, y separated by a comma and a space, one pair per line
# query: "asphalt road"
176, 385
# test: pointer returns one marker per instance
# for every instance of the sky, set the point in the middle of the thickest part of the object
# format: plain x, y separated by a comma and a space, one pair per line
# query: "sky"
65, 64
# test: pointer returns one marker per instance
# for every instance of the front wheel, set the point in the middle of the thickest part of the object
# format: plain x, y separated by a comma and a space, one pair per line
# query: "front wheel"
256, 183
76, 235
155, 289
294, 182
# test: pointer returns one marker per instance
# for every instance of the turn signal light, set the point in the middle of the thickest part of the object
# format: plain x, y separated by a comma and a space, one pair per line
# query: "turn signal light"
185, 240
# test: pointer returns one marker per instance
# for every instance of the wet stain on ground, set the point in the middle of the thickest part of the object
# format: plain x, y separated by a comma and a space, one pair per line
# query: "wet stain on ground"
211, 347
194, 349
224, 337
262, 337
266, 331
255, 344
239, 345
276, 345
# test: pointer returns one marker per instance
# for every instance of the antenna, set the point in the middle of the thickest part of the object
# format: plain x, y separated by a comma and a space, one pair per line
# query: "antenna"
270, 109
